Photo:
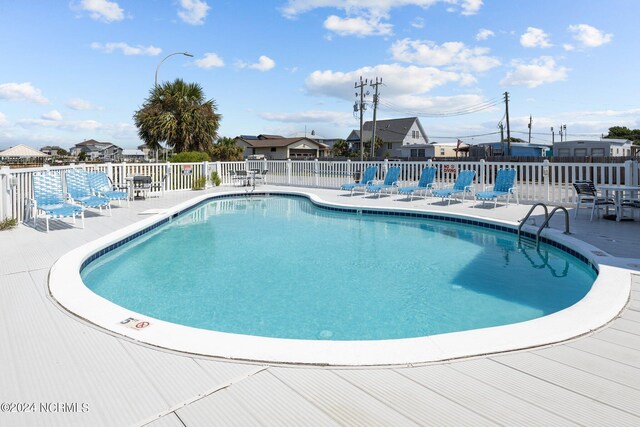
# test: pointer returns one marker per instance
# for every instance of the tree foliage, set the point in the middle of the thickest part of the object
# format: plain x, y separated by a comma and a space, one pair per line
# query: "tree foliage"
623, 132
340, 148
226, 150
190, 157
176, 113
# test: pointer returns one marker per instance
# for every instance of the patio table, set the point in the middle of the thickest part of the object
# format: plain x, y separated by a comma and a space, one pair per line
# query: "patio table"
618, 193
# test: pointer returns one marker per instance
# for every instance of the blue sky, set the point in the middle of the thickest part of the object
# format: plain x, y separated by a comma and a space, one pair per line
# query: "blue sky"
78, 69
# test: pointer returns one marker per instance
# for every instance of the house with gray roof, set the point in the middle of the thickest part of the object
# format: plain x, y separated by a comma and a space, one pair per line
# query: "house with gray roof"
605, 147
98, 151
401, 138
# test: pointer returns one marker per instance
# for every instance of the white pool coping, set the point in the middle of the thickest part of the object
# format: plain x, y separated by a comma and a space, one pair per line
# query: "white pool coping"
606, 299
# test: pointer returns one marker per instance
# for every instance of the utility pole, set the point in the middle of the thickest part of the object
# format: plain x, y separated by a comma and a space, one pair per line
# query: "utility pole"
560, 132
361, 107
506, 104
530, 122
375, 108
501, 126
553, 136
564, 128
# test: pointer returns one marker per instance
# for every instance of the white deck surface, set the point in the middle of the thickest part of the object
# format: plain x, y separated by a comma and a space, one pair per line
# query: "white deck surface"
54, 360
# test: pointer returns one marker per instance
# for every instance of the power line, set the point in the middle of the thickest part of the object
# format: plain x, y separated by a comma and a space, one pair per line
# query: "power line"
462, 111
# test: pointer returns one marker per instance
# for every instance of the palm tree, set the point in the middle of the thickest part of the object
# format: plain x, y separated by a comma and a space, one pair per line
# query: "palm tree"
177, 113
226, 150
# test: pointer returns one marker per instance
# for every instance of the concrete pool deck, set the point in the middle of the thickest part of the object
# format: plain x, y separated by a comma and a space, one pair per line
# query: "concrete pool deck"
75, 374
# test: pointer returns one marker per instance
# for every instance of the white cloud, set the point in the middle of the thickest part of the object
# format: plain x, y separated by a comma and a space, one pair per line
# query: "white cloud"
210, 60
484, 34
79, 104
358, 26
535, 37
471, 7
451, 54
193, 12
539, 71
3, 120
61, 124
22, 92
398, 79
53, 115
374, 7
264, 64
336, 117
127, 49
589, 36
101, 10
568, 47
417, 23
365, 17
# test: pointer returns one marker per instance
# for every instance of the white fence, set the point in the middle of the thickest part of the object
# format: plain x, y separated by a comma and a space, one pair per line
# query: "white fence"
537, 182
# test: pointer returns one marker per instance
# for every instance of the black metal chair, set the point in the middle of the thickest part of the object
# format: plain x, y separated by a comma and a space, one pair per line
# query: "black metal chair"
587, 196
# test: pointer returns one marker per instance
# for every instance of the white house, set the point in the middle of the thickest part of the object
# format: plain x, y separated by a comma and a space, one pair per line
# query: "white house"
401, 138
604, 147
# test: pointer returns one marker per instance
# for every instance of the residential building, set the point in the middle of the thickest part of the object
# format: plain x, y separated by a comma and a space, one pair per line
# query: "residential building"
51, 150
133, 155
604, 147
449, 149
98, 151
276, 147
523, 149
400, 138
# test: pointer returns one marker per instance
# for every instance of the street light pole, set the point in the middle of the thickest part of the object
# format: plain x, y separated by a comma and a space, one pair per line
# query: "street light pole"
171, 54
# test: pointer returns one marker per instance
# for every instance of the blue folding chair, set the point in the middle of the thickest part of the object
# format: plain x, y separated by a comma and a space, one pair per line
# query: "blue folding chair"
504, 186
49, 197
425, 184
80, 192
463, 184
390, 182
368, 177
101, 185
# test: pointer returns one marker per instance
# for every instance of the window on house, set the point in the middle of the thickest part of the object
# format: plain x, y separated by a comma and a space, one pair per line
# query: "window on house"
273, 149
417, 152
563, 152
389, 146
442, 151
580, 152
597, 152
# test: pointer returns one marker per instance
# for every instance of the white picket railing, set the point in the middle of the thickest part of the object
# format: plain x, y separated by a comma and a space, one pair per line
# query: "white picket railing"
537, 182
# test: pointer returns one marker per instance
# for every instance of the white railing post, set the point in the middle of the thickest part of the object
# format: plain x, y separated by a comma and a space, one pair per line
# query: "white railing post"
628, 172
205, 173
546, 179
316, 171
5, 195
110, 170
482, 177
385, 166
289, 163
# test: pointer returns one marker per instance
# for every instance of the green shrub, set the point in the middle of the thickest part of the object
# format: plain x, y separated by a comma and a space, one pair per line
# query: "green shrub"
215, 178
190, 157
8, 223
199, 183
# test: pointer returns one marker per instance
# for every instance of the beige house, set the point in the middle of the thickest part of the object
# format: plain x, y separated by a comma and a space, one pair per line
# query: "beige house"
448, 149
276, 147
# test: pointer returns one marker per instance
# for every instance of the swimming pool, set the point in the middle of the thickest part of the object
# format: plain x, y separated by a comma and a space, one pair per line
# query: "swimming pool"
282, 267
329, 345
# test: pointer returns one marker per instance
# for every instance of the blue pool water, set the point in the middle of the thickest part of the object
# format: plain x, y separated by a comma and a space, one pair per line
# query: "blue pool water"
281, 267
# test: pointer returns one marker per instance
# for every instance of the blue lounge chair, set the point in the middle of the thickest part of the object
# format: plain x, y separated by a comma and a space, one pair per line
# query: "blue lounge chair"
463, 184
49, 197
504, 186
368, 177
425, 184
390, 182
101, 185
80, 192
